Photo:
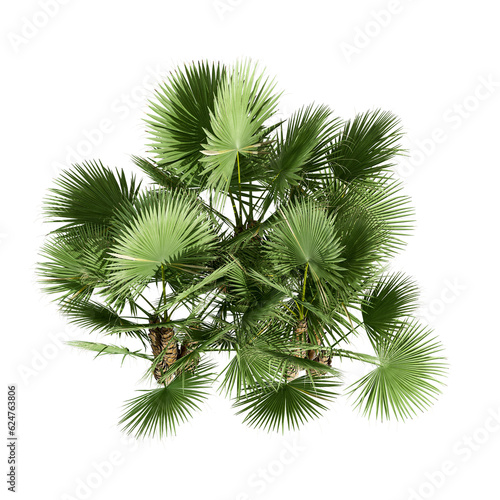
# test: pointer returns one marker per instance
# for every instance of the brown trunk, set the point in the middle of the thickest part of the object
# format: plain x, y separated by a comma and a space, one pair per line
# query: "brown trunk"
319, 357
185, 349
162, 340
300, 336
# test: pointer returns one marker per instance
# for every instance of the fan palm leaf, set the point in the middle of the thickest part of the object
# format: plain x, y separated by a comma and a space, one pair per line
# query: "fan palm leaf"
168, 230
306, 235
180, 119
407, 377
160, 411
287, 404
75, 263
89, 193
366, 146
244, 102
300, 148
392, 298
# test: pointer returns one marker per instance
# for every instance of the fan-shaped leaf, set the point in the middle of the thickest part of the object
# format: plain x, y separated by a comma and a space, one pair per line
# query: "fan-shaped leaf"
159, 411
75, 262
305, 235
366, 145
386, 305
96, 317
300, 148
89, 193
362, 240
287, 404
243, 103
407, 376
180, 119
381, 203
168, 229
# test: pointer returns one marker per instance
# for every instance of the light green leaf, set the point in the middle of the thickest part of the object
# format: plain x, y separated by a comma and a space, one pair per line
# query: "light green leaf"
244, 102
168, 229
107, 349
305, 235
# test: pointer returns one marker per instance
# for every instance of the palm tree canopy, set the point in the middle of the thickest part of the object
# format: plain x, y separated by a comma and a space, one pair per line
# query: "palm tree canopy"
268, 240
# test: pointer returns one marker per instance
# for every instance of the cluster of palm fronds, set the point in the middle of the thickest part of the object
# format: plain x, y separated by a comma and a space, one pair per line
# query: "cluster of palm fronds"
267, 241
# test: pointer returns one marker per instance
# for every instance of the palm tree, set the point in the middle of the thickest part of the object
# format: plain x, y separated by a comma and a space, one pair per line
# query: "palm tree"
265, 240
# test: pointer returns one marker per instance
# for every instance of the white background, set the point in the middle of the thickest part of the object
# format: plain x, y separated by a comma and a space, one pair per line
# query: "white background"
90, 64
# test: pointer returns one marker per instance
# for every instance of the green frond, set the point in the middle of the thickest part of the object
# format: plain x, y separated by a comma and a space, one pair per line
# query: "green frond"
160, 175
180, 119
306, 235
391, 209
168, 229
366, 146
107, 349
381, 203
240, 284
200, 285
248, 368
407, 376
287, 404
89, 193
299, 150
99, 318
244, 102
268, 305
74, 263
362, 240
158, 412
392, 299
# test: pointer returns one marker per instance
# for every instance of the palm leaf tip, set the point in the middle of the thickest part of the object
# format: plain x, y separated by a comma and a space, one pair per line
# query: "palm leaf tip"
101, 349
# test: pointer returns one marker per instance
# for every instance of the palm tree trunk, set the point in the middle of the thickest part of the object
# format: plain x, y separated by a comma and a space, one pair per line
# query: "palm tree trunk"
300, 336
320, 357
162, 340
186, 348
